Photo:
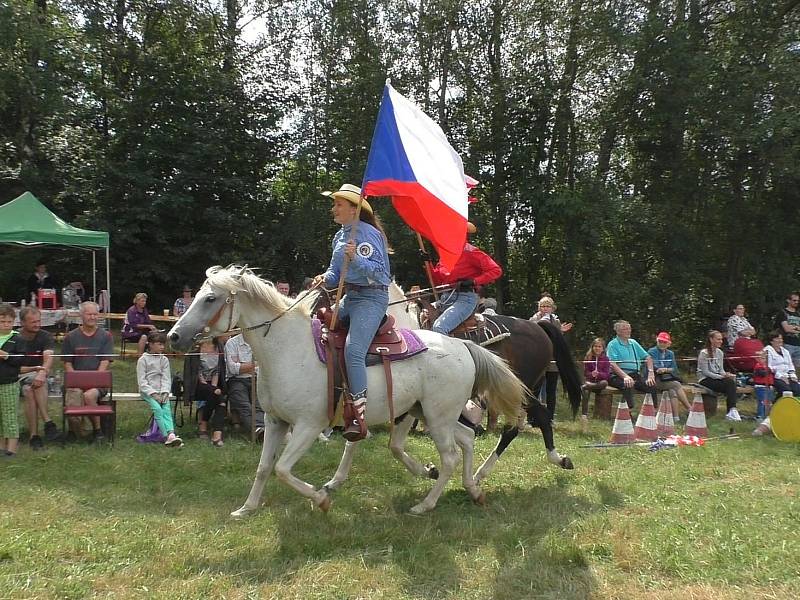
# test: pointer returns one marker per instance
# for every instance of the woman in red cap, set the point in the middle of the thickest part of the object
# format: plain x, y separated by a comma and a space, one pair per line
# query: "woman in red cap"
667, 373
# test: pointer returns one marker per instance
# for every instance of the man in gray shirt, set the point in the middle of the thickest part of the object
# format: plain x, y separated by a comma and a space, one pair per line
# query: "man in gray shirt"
87, 348
240, 367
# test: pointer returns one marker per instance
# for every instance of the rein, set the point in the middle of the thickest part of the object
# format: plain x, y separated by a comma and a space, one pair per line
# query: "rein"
231, 300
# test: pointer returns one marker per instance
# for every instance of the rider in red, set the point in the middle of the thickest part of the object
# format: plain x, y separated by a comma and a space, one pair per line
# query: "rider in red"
473, 268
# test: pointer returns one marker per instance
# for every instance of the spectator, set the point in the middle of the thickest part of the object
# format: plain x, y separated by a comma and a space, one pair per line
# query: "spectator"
183, 303
10, 363
40, 279
545, 313
155, 385
240, 367
86, 348
37, 344
137, 322
596, 371
712, 374
738, 325
204, 378
743, 356
487, 306
667, 373
781, 365
283, 288
787, 322
626, 356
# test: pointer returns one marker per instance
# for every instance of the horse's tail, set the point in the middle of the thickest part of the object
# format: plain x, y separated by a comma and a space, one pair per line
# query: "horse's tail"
566, 366
495, 381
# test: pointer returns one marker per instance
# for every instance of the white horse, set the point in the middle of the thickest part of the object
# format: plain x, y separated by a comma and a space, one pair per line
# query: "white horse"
292, 383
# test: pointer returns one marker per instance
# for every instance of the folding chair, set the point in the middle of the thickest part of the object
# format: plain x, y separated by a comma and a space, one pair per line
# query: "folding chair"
107, 411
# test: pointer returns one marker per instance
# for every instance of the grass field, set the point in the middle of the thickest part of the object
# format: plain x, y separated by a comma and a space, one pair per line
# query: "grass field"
140, 522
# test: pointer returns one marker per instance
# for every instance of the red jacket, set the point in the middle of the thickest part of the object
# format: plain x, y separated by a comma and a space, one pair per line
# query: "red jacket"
473, 264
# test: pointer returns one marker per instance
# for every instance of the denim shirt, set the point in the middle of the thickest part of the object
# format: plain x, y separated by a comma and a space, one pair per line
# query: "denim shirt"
370, 264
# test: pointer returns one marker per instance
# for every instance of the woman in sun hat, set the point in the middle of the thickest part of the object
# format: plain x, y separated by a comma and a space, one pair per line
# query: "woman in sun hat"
363, 242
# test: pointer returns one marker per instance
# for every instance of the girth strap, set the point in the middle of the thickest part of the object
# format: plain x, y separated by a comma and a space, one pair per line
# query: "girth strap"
387, 370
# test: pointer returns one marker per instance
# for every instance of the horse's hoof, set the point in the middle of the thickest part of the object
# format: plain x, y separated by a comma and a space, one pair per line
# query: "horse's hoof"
325, 504
241, 513
433, 472
566, 463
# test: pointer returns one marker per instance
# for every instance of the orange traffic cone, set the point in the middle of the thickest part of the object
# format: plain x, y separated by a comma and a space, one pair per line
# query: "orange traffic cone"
622, 433
665, 425
696, 421
646, 422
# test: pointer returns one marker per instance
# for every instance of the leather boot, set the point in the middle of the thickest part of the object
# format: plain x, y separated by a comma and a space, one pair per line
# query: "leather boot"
355, 427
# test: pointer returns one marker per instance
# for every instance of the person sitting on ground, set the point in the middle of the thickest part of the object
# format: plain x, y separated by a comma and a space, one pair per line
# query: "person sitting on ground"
137, 324
40, 279
37, 345
667, 374
545, 312
596, 371
781, 365
86, 348
204, 377
626, 356
155, 384
240, 367
738, 325
183, 303
711, 373
473, 268
787, 322
10, 362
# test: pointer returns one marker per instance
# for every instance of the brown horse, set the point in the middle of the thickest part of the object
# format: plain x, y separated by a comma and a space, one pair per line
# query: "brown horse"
529, 349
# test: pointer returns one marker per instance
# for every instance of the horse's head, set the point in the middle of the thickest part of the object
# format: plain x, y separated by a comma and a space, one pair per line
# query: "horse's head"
403, 311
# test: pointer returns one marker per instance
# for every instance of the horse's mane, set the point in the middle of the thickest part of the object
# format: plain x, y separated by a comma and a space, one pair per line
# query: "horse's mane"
235, 278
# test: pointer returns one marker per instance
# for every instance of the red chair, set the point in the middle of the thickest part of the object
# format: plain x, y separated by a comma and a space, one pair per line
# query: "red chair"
106, 409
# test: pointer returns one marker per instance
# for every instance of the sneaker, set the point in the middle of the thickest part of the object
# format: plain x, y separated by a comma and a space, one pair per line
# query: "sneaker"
51, 433
36, 443
173, 441
260, 435
217, 443
733, 415
98, 437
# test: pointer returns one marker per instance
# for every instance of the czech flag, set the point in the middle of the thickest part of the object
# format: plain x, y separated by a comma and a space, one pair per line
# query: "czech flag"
411, 160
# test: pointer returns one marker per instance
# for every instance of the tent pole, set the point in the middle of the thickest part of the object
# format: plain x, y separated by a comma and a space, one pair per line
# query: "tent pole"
94, 275
108, 279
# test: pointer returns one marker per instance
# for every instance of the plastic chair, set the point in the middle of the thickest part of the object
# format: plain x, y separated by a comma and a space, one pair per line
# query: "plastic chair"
106, 409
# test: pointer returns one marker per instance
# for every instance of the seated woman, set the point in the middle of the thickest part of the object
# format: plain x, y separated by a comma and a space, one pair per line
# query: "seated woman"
780, 363
712, 374
183, 303
137, 322
667, 374
739, 326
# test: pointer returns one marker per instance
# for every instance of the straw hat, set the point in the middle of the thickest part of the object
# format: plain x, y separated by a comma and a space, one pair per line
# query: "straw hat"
351, 193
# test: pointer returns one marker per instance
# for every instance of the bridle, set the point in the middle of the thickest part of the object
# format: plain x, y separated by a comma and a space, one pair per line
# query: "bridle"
230, 302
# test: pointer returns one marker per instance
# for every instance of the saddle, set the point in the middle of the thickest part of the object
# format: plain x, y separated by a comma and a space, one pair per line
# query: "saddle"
476, 328
388, 342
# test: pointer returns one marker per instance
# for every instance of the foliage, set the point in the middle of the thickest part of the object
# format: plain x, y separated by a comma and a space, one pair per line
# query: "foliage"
637, 159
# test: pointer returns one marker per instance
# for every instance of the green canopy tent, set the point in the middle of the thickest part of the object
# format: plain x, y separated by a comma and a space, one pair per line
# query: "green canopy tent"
28, 222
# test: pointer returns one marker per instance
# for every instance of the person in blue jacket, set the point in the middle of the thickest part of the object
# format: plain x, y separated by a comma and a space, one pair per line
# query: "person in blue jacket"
366, 283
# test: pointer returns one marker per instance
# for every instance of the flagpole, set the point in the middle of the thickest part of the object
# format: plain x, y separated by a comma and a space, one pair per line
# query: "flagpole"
346, 264
427, 266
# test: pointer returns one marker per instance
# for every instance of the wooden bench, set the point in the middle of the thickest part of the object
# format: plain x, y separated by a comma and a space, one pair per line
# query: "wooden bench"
603, 405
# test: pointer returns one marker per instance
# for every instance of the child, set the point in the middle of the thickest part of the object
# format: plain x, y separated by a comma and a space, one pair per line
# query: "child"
596, 369
9, 388
208, 391
762, 375
155, 383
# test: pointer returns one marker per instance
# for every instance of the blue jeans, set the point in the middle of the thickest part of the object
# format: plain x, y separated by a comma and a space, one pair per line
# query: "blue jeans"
365, 309
454, 307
